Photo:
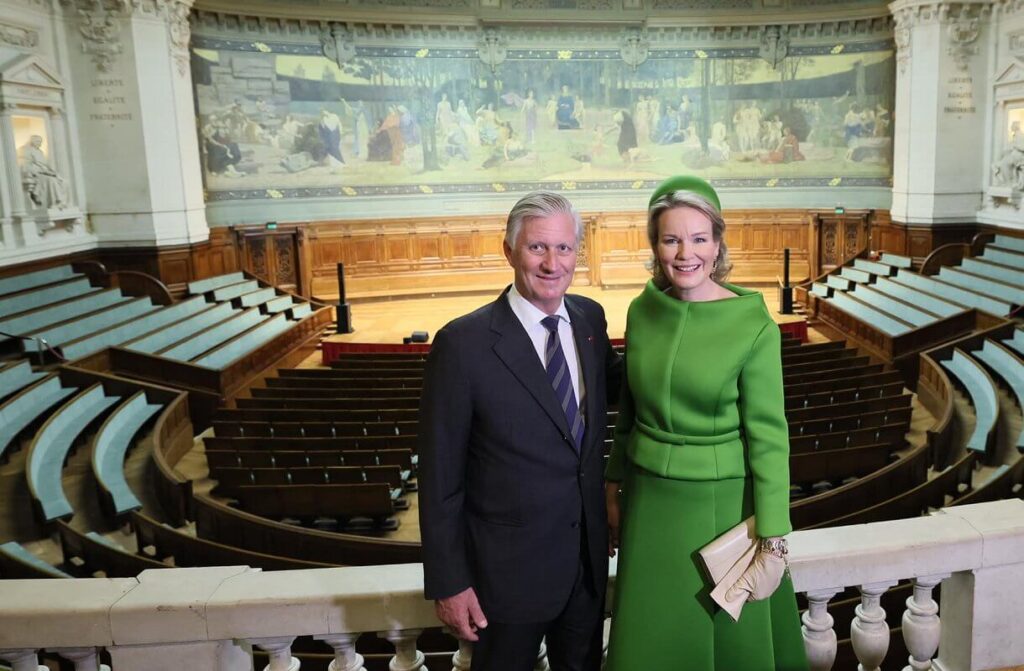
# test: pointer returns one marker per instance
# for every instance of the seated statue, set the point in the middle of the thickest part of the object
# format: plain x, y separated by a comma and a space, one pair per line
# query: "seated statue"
1008, 169
42, 183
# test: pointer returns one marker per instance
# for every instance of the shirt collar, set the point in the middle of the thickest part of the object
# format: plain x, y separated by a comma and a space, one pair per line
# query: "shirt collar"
528, 313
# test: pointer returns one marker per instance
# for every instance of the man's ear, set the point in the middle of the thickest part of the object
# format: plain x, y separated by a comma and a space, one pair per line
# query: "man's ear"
508, 251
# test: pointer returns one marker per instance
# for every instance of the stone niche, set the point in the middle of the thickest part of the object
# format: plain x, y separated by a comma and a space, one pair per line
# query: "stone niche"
1006, 172
38, 193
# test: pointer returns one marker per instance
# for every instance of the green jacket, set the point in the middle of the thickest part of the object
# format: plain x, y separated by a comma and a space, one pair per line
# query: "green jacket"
703, 398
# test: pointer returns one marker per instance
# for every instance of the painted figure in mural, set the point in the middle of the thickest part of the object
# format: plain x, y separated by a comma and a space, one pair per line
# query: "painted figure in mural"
465, 121
445, 116
289, 130
222, 153
566, 114
852, 127
507, 147
786, 151
653, 115
378, 147
627, 142
529, 111
772, 135
360, 126
392, 125
579, 111
44, 186
456, 143
718, 144
409, 126
329, 129
643, 128
882, 120
487, 125
551, 111
668, 130
685, 112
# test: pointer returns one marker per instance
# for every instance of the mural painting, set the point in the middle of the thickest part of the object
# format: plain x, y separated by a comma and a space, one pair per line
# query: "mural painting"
285, 119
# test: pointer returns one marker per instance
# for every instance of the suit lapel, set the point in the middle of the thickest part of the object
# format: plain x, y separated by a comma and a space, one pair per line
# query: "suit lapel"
584, 337
516, 351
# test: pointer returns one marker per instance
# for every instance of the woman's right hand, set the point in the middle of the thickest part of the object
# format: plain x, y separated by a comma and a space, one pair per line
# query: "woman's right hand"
611, 496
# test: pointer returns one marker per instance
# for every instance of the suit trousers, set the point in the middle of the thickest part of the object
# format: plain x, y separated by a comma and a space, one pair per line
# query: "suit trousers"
574, 638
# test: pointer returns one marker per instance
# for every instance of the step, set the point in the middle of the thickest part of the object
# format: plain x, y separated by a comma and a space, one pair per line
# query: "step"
927, 301
896, 260
840, 283
982, 285
1007, 257
855, 274
301, 310
279, 304
996, 271
32, 320
894, 306
39, 296
38, 278
954, 293
879, 319
822, 290
210, 283
153, 341
258, 297
1009, 242
233, 291
91, 323
874, 267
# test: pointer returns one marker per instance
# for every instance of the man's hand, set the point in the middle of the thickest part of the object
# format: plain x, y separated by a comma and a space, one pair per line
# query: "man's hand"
462, 613
611, 497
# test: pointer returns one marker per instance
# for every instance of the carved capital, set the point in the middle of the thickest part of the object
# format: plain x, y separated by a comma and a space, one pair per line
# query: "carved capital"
176, 13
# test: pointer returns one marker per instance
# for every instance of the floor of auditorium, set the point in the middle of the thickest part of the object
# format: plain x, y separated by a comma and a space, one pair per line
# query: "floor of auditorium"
377, 321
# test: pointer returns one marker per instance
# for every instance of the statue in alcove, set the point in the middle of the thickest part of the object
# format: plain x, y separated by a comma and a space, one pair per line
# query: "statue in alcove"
44, 186
1008, 169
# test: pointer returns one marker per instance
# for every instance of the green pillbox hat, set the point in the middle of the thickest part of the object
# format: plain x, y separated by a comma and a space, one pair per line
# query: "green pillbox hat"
689, 183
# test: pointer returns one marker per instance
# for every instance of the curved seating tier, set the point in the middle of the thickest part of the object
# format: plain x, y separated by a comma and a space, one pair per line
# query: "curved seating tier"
17, 563
982, 391
92, 553
15, 376
60, 311
29, 405
51, 446
110, 447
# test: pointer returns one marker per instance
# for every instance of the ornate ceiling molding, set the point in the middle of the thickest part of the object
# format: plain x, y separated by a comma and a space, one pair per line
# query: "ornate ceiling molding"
527, 36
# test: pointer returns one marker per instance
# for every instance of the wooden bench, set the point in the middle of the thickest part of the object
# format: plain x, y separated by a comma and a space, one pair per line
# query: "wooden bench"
896, 260
854, 274
982, 391
247, 436
395, 376
125, 331
80, 326
362, 383
381, 394
244, 343
825, 398
17, 563
843, 382
894, 306
878, 318
838, 283
877, 268
272, 458
374, 364
219, 522
864, 405
308, 502
28, 405
817, 355
997, 271
35, 297
15, 376
913, 502
1008, 366
891, 434
1014, 295
849, 423
1004, 255
1009, 242
38, 278
109, 448
848, 372
95, 554
214, 336
230, 292
838, 464
350, 406
954, 293
230, 478
52, 444
161, 542
257, 298
342, 428
178, 331
33, 320
203, 286
914, 296
841, 361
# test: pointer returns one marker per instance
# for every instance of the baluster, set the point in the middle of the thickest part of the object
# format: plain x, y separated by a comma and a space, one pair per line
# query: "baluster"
463, 657
542, 658
819, 636
407, 657
869, 631
345, 656
279, 650
84, 659
22, 660
921, 626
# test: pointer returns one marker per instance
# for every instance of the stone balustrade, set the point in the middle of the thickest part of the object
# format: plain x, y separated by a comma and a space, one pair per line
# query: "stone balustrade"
212, 618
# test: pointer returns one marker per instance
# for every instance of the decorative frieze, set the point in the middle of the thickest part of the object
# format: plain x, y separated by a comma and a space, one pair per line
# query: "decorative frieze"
18, 36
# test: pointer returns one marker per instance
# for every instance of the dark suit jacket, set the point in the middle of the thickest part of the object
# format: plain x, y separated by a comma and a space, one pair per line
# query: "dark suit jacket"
505, 499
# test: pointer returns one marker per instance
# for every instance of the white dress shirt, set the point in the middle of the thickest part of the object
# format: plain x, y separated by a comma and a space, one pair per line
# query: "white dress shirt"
530, 316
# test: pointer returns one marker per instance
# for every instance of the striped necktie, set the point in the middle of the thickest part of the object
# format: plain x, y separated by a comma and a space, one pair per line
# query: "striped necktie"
561, 381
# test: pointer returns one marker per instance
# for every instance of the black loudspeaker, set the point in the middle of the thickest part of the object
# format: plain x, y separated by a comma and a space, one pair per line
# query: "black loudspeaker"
344, 312
416, 337
785, 291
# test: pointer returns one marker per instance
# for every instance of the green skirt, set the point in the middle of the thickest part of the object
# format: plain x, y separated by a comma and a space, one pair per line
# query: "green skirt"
663, 617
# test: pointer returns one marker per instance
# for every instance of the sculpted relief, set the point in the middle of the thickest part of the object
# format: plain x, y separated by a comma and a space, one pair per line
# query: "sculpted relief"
43, 185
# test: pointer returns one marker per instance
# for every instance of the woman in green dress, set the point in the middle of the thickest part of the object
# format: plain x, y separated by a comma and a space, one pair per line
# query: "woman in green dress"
701, 444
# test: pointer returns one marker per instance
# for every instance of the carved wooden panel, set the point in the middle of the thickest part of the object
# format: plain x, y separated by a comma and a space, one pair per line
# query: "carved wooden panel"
285, 266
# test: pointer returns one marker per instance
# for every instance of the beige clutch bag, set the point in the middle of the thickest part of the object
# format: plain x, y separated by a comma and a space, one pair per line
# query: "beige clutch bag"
725, 559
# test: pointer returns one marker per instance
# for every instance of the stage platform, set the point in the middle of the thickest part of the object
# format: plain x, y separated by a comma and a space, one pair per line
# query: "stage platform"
383, 323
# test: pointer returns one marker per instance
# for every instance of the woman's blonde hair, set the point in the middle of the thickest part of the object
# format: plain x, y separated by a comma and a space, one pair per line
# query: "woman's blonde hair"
676, 199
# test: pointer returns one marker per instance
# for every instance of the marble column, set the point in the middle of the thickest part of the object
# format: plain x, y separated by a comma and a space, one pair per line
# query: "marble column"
940, 116
136, 121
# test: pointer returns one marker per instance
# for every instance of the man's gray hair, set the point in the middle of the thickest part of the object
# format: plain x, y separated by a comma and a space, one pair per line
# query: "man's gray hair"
539, 204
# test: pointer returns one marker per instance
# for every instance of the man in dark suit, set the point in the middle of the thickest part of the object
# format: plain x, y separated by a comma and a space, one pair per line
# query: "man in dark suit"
512, 511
